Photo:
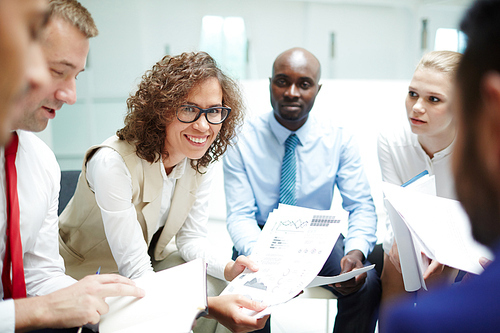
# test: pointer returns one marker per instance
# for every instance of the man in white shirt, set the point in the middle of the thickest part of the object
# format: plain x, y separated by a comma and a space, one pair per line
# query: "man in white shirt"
61, 302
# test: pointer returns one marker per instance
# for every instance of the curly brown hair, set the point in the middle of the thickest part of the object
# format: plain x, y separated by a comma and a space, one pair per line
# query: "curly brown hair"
162, 90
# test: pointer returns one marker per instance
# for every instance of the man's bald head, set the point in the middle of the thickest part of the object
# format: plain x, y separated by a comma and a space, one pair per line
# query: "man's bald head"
294, 86
298, 56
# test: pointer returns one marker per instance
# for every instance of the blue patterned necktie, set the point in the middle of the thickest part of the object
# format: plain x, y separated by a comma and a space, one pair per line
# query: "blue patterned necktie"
288, 170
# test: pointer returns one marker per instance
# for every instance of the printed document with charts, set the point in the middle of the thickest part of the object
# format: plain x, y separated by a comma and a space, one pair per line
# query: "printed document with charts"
291, 250
435, 226
174, 299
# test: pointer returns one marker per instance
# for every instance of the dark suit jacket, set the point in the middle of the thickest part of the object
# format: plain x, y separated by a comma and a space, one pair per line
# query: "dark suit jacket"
471, 306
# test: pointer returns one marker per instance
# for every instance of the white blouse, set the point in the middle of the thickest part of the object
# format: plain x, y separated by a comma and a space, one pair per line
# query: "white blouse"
401, 157
110, 180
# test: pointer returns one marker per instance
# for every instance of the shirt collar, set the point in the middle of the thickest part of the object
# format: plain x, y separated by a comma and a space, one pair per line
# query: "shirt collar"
282, 133
445, 152
438, 155
177, 171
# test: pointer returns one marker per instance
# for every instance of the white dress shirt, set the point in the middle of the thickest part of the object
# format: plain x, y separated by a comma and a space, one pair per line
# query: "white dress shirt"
401, 157
38, 182
110, 180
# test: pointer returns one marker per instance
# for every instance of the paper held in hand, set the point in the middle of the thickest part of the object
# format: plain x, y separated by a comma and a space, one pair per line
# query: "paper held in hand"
174, 299
435, 226
291, 250
324, 280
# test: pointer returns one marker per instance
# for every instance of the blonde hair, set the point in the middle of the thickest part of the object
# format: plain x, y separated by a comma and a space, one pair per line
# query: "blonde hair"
443, 61
73, 12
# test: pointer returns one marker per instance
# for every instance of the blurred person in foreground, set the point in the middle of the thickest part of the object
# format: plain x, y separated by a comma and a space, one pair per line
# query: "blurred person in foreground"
21, 61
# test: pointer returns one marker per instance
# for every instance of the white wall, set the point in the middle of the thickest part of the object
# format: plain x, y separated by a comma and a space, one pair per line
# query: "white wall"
371, 42
376, 49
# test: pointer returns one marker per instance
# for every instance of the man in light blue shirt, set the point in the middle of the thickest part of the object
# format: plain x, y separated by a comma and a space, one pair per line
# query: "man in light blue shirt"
325, 156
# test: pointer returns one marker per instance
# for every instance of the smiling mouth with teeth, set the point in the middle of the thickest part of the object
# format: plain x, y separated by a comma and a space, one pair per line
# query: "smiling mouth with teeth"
197, 140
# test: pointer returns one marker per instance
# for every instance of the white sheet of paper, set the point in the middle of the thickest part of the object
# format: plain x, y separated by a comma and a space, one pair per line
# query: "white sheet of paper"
411, 263
324, 280
174, 299
425, 184
441, 225
291, 250
413, 266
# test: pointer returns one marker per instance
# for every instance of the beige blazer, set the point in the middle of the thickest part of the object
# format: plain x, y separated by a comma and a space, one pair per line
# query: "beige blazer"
82, 241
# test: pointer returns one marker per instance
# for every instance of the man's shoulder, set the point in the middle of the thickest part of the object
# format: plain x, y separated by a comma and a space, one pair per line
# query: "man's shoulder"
33, 145
464, 308
405, 316
256, 122
41, 161
327, 129
255, 126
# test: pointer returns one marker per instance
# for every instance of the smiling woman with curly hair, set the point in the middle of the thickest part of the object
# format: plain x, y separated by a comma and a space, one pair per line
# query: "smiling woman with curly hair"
162, 91
147, 188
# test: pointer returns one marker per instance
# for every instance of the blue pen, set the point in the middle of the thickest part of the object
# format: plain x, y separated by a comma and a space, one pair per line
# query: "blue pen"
98, 270
417, 177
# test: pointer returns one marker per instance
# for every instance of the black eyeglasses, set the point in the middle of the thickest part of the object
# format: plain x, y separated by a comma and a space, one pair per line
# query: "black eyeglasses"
214, 115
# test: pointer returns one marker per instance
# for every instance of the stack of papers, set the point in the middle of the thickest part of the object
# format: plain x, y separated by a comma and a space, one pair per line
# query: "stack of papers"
174, 299
291, 250
435, 226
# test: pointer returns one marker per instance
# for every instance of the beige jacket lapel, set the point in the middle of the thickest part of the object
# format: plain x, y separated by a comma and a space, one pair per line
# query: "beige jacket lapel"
152, 191
182, 202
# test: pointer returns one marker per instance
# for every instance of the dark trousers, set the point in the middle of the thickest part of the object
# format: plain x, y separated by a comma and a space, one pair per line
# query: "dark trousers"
356, 312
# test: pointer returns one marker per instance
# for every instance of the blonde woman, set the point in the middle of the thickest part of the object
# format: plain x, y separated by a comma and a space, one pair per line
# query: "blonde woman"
426, 145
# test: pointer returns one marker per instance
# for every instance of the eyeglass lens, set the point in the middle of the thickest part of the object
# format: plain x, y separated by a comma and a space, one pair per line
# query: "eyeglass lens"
188, 113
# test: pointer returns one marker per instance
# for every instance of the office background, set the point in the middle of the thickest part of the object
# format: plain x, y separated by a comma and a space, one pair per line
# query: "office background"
368, 50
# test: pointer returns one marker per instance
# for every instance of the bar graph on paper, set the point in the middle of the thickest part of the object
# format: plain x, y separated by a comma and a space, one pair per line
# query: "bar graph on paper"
290, 251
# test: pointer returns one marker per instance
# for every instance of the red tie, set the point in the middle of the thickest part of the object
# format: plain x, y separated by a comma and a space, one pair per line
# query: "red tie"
13, 247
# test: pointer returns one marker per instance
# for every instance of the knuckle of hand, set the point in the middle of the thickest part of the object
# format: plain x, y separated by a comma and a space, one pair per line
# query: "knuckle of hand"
88, 302
120, 288
94, 319
93, 289
88, 314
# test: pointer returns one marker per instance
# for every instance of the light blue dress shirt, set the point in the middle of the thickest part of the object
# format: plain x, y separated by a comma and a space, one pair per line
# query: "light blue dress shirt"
326, 156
